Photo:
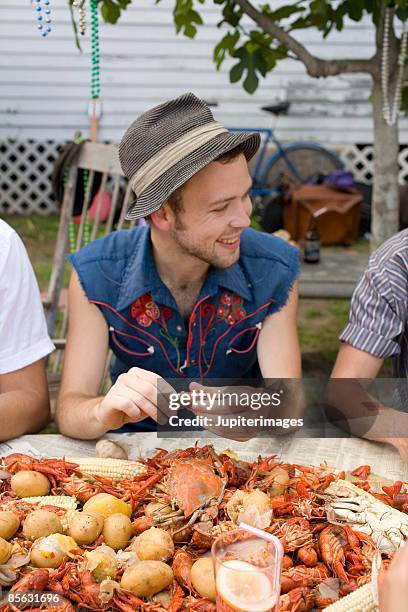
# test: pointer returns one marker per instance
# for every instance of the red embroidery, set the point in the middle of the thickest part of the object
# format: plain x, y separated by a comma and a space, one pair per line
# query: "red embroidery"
144, 310
230, 308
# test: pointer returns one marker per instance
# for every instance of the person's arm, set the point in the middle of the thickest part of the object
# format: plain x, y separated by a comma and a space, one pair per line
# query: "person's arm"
393, 584
81, 411
278, 344
377, 318
24, 402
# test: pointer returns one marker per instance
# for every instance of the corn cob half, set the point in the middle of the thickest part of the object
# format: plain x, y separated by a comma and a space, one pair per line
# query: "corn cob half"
61, 501
115, 469
360, 600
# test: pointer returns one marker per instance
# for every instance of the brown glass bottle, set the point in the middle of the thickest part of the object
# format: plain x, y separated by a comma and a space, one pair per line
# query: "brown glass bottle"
312, 242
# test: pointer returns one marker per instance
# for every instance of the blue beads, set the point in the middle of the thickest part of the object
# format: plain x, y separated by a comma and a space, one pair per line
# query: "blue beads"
45, 29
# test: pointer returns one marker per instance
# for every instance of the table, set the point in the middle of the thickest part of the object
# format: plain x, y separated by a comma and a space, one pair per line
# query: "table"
335, 276
344, 453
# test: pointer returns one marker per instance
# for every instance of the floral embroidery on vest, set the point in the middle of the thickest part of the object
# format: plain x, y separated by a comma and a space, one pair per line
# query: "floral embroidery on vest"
230, 308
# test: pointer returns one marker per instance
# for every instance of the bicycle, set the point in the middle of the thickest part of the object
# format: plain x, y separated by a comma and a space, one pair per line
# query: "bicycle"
301, 161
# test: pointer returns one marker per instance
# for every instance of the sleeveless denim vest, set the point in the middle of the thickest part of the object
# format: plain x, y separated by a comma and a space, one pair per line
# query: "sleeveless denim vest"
146, 330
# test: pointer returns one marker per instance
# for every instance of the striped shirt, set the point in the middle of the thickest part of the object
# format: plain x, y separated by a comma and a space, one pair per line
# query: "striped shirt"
379, 306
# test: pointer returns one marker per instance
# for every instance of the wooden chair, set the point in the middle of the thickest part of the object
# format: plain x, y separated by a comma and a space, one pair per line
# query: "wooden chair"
95, 158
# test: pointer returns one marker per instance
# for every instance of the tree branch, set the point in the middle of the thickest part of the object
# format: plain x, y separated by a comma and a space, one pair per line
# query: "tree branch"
315, 66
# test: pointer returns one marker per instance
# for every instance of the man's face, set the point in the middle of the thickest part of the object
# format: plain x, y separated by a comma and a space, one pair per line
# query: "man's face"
216, 208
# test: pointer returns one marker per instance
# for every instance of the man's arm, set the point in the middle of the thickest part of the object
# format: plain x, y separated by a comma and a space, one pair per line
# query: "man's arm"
278, 343
351, 362
24, 402
364, 415
82, 412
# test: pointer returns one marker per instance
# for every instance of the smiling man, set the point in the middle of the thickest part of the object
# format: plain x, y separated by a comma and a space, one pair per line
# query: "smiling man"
196, 294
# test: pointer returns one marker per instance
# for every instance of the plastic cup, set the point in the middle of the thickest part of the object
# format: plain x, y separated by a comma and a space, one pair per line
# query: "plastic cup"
247, 564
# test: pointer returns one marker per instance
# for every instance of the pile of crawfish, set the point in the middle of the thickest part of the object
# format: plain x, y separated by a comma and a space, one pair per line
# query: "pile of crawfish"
196, 495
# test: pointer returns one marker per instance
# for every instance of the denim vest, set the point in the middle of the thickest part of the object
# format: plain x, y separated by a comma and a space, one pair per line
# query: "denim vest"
146, 330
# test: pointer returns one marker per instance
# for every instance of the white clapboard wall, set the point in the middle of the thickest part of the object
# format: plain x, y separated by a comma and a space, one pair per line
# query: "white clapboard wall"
45, 82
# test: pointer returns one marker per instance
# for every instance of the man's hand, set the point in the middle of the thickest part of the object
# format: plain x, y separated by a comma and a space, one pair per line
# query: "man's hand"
393, 588
135, 396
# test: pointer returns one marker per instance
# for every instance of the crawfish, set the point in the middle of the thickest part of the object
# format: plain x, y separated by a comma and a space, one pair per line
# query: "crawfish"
176, 602
303, 576
295, 533
362, 472
36, 580
332, 552
126, 602
54, 469
300, 599
307, 555
181, 566
201, 605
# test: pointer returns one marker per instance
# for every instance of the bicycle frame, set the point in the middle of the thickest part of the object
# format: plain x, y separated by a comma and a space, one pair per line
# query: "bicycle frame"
258, 177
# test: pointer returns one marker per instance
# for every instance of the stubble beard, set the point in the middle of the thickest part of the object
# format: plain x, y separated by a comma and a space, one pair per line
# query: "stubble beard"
201, 251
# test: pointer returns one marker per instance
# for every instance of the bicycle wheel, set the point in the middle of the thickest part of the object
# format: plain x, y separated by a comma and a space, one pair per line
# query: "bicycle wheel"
309, 161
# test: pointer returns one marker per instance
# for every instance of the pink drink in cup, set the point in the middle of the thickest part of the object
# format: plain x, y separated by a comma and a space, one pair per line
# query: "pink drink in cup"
247, 564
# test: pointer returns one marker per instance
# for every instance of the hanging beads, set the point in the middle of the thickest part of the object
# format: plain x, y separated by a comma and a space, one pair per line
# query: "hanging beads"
95, 81
390, 113
80, 5
43, 14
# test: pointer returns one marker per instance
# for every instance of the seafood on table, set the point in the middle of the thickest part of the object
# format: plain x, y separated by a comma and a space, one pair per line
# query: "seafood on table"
114, 535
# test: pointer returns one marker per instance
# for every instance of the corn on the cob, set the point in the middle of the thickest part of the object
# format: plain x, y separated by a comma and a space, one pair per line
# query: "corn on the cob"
61, 501
360, 600
116, 469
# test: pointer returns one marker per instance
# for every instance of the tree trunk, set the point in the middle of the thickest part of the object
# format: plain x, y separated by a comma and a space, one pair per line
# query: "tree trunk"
385, 201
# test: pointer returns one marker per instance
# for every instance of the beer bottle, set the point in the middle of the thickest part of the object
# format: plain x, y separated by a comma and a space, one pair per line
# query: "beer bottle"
312, 242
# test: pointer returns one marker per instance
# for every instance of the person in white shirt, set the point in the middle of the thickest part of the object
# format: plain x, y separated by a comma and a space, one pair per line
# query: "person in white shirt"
24, 342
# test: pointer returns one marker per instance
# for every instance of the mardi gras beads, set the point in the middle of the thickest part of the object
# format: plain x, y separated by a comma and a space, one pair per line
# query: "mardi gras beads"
95, 80
80, 5
43, 14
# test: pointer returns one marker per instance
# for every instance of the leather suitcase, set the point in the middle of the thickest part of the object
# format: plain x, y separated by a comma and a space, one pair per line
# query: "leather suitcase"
338, 213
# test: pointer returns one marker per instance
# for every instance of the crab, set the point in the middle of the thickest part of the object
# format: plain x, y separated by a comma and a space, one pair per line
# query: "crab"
347, 504
193, 486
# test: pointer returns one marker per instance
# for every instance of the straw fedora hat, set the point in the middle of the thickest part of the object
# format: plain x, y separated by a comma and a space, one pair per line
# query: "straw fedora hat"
170, 143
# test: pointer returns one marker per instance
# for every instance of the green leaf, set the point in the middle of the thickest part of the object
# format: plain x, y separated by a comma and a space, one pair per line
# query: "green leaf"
236, 72
110, 11
226, 45
251, 82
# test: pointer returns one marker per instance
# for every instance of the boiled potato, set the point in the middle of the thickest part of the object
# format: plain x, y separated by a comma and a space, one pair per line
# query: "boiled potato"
9, 524
203, 579
50, 551
117, 531
102, 562
147, 578
153, 507
41, 523
5, 550
106, 504
85, 528
28, 483
154, 544
280, 481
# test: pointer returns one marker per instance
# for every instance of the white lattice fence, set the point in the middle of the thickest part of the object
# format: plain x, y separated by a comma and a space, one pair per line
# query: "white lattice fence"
26, 167
25, 176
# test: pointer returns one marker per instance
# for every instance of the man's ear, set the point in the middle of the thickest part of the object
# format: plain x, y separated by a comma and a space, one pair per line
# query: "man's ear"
163, 217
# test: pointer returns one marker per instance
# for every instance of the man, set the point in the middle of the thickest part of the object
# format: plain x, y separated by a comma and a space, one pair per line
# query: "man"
194, 295
24, 342
378, 329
